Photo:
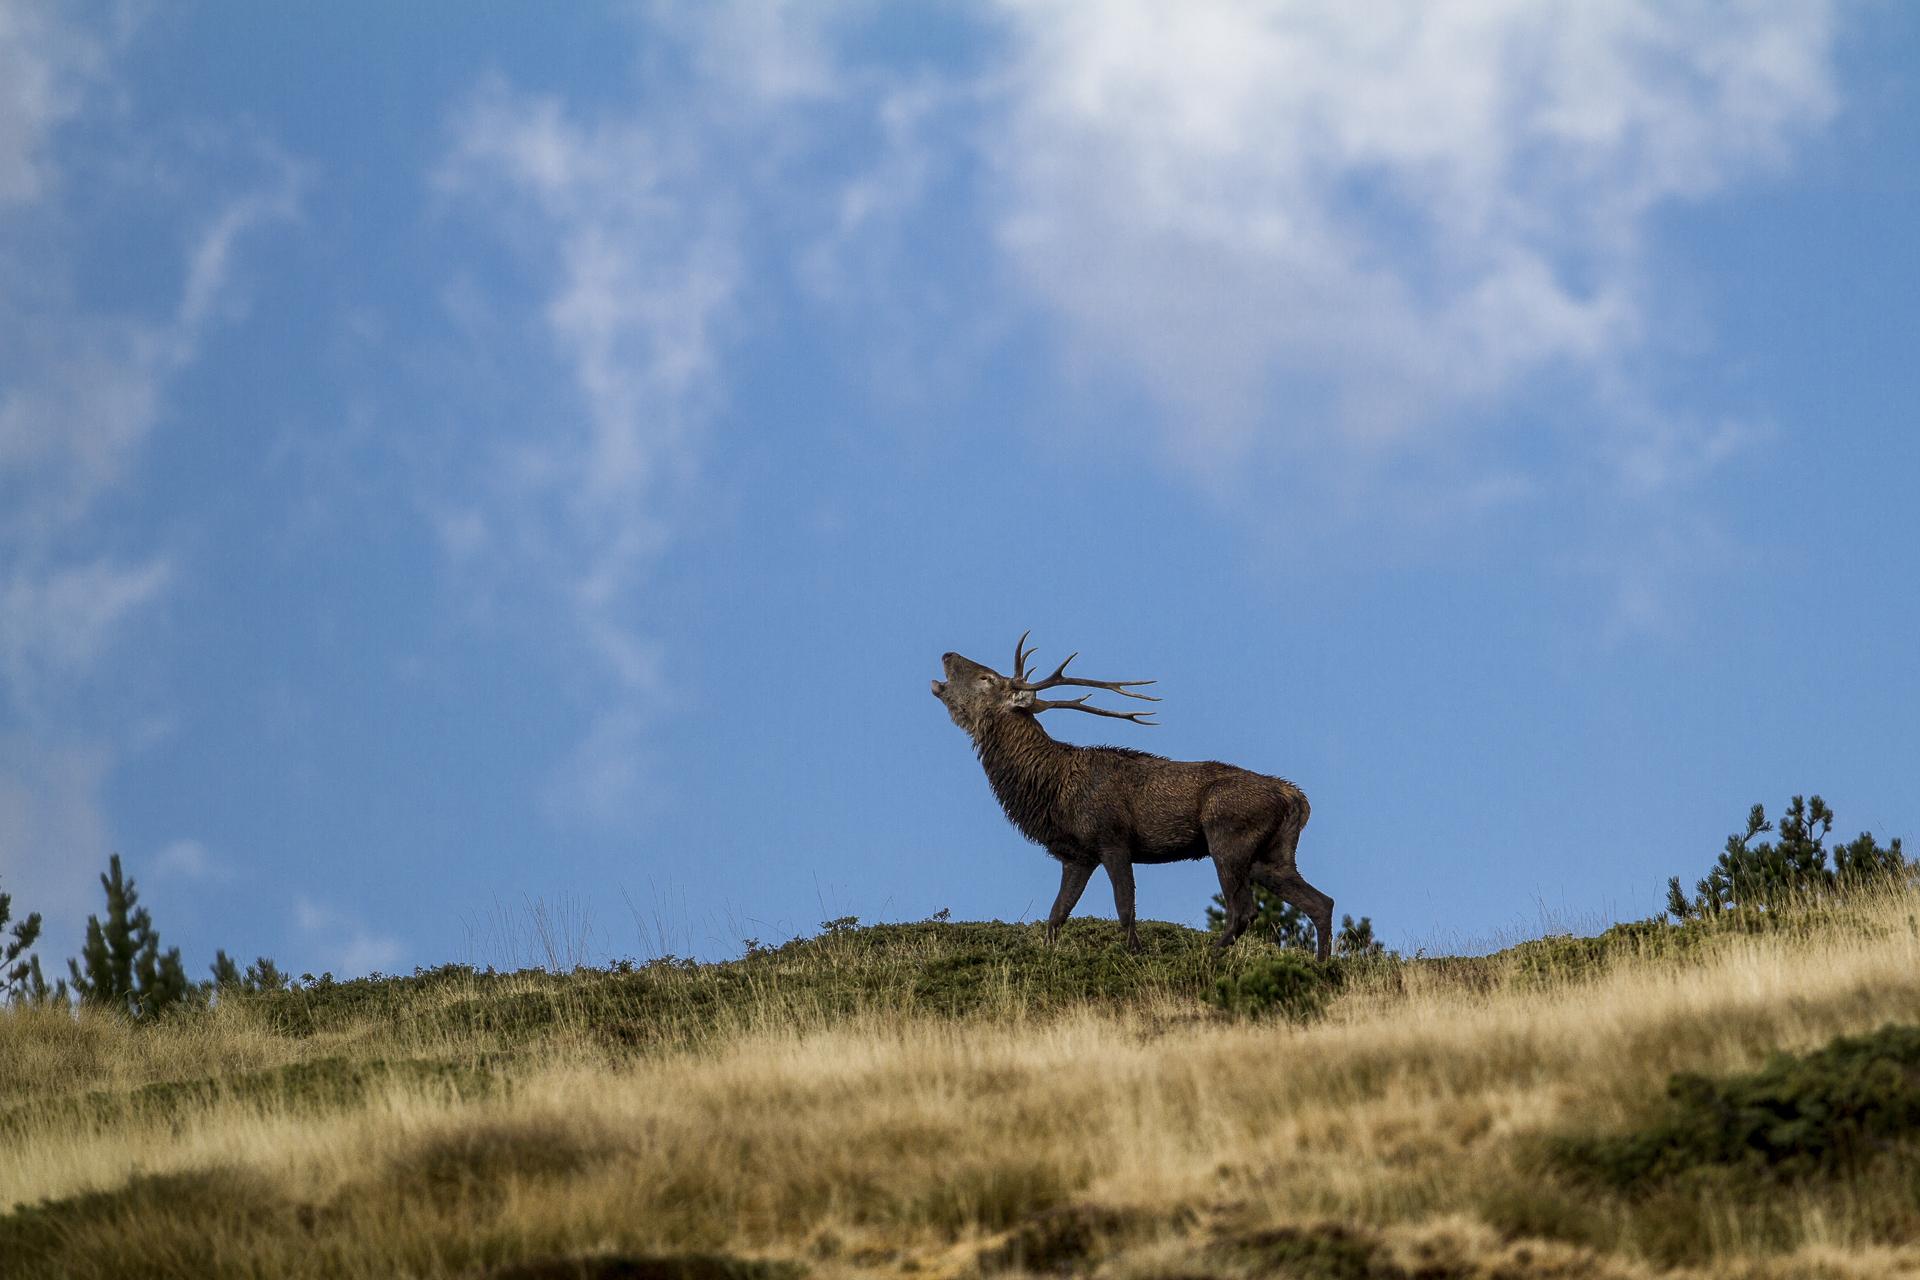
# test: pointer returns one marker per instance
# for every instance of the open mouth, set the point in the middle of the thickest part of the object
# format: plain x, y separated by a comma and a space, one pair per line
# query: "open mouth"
939, 687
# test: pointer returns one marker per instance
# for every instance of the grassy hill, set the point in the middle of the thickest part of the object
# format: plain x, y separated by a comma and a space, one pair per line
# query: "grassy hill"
959, 1099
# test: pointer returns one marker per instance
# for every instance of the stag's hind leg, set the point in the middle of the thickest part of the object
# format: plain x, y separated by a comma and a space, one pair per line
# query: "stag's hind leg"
1278, 873
1293, 887
1233, 845
1120, 871
1236, 893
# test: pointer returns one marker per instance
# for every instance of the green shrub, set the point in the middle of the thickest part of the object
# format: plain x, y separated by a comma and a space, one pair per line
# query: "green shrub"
262, 975
1282, 983
1564, 957
1823, 1113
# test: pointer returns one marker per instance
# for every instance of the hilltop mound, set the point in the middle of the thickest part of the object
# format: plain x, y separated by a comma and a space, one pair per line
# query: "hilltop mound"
962, 1099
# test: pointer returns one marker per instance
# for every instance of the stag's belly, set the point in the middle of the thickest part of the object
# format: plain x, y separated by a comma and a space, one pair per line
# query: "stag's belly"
1151, 855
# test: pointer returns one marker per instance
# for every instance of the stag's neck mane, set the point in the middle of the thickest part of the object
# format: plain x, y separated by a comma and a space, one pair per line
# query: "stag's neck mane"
1027, 770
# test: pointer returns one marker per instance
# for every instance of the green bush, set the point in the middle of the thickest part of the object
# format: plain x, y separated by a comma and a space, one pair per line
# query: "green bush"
1283, 983
1824, 1113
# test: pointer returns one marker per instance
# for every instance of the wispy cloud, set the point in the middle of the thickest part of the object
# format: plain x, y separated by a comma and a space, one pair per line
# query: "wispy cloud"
186, 859
640, 245
1345, 225
84, 392
83, 386
45, 66
60, 621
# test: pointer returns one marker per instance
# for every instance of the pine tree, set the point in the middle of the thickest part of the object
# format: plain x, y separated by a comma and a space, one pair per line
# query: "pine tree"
1793, 864
121, 965
17, 969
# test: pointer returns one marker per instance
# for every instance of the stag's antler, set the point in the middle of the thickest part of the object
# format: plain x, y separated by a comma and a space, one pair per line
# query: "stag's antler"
1059, 677
1020, 655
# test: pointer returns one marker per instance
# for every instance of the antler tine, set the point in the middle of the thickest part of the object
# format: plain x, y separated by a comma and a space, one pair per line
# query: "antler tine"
1080, 704
1020, 655
1060, 677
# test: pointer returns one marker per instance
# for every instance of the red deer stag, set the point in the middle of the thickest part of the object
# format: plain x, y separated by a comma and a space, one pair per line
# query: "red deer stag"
1112, 807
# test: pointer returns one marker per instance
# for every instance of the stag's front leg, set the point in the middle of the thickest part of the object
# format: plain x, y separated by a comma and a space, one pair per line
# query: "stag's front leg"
1120, 871
1073, 882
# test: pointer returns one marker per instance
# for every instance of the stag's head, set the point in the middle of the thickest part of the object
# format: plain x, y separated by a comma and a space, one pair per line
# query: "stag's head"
975, 695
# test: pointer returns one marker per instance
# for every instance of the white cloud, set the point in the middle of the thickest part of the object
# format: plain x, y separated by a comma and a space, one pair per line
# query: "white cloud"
1328, 222
1314, 229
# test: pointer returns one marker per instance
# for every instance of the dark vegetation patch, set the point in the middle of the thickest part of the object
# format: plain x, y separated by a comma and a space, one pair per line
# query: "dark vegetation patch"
662, 1266
474, 1161
319, 1084
1822, 1113
988, 1196
1072, 1237
1327, 1252
137, 1228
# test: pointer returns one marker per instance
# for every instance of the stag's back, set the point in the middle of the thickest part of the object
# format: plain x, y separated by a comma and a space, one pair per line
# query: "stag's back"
1163, 809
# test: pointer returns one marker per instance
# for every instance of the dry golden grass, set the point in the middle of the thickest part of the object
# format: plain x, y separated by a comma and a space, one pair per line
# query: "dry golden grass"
1399, 1136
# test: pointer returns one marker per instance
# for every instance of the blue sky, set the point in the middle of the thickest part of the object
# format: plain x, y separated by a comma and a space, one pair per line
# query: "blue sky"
452, 461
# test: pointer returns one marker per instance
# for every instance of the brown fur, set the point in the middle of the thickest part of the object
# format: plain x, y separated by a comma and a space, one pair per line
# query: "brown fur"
1112, 807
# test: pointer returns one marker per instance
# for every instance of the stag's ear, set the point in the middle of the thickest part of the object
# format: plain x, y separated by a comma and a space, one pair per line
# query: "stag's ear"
1022, 700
